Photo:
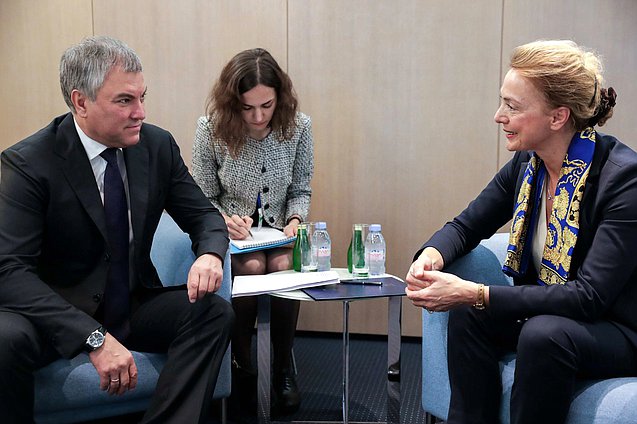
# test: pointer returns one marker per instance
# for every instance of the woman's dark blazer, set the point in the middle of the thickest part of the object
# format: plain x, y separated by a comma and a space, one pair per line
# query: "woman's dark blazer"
603, 277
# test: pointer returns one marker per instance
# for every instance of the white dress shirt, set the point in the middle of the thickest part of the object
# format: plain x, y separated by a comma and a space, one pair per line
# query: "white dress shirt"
98, 164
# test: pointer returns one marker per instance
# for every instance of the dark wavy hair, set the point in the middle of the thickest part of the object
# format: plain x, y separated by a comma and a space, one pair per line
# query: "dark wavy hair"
244, 72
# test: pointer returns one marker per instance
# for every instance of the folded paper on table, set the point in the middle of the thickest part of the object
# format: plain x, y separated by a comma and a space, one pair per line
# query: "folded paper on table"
250, 285
262, 238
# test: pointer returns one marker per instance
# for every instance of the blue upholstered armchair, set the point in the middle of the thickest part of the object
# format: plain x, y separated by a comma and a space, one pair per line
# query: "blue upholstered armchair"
612, 401
67, 391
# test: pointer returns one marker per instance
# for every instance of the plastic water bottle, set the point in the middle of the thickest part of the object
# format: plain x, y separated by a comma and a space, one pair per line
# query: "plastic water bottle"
322, 247
375, 250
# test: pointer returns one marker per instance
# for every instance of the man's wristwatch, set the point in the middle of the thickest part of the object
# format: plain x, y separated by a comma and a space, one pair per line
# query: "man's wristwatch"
95, 340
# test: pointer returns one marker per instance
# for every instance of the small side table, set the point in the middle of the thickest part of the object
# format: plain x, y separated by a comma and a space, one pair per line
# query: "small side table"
358, 292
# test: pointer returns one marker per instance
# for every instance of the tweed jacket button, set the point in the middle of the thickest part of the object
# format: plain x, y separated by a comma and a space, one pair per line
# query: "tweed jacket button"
97, 298
271, 220
266, 206
263, 169
266, 189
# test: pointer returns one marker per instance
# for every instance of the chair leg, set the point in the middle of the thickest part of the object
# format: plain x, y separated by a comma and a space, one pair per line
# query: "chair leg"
294, 370
430, 419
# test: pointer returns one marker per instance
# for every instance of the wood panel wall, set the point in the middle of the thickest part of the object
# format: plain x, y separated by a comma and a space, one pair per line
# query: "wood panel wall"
401, 94
391, 90
33, 36
184, 45
605, 27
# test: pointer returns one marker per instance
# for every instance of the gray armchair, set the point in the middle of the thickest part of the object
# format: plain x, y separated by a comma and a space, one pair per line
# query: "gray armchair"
67, 391
612, 401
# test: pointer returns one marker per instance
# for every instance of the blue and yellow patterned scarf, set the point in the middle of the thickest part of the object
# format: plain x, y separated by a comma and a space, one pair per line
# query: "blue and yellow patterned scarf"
563, 225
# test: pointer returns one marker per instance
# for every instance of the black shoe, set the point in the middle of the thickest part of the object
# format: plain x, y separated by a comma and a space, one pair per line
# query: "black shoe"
288, 399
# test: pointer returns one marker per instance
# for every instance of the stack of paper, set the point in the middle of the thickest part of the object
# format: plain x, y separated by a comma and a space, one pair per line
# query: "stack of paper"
249, 285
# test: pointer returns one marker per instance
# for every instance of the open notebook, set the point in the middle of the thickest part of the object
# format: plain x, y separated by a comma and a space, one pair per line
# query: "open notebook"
263, 238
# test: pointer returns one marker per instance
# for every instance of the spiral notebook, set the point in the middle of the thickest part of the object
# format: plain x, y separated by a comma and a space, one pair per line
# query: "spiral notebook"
262, 238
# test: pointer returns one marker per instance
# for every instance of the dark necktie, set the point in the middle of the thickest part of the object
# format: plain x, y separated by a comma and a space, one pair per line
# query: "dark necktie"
116, 294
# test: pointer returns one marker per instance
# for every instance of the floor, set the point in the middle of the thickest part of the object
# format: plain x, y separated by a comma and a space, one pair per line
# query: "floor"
319, 359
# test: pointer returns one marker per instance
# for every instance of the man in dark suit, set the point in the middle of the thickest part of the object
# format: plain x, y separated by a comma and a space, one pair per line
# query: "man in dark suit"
68, 285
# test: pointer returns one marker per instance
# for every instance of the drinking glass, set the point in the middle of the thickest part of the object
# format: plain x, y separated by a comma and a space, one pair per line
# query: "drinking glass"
308, 253
360, 268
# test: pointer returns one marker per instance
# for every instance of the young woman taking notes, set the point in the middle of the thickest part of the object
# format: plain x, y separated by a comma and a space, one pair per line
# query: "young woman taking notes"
253, 158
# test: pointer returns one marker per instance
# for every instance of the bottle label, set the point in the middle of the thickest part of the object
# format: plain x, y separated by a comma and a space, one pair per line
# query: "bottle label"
376, 255
323, 252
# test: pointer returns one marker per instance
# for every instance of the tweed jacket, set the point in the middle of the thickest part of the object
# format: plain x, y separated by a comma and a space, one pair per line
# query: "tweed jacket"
280, 171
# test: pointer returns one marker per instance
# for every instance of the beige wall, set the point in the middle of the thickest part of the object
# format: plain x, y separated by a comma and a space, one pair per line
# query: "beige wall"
401, 93
184, 45
33, 35
605, 26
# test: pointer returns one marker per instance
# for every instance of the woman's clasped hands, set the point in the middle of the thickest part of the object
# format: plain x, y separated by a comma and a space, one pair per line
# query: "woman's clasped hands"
434, 290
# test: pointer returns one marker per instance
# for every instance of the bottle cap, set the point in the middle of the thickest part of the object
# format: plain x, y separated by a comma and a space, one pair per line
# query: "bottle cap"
374, 227
320, 225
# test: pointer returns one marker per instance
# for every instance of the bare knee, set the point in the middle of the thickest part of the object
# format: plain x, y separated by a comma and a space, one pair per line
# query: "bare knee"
279, 260
249, 264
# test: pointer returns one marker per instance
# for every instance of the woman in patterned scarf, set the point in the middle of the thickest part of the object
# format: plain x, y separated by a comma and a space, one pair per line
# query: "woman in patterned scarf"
253, 158
572, 194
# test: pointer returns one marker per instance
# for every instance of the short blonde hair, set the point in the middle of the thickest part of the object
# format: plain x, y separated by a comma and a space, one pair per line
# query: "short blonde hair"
567, 75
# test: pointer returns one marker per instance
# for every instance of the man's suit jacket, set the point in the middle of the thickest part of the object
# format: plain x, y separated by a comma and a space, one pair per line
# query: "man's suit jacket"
54, 254
603, 276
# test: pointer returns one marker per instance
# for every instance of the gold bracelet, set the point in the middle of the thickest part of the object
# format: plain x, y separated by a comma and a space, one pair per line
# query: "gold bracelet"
480, 300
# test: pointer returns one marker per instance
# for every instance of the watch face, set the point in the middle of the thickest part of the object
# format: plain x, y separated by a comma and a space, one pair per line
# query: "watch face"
95, 340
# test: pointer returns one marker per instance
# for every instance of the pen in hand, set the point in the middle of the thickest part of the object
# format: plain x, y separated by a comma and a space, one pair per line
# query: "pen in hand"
248, 226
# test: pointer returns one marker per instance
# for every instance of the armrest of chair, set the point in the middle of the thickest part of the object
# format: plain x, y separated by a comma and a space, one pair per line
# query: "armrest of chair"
172, 256
484, 265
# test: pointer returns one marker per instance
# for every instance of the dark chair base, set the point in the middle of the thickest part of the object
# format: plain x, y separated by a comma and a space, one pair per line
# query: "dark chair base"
430, 419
